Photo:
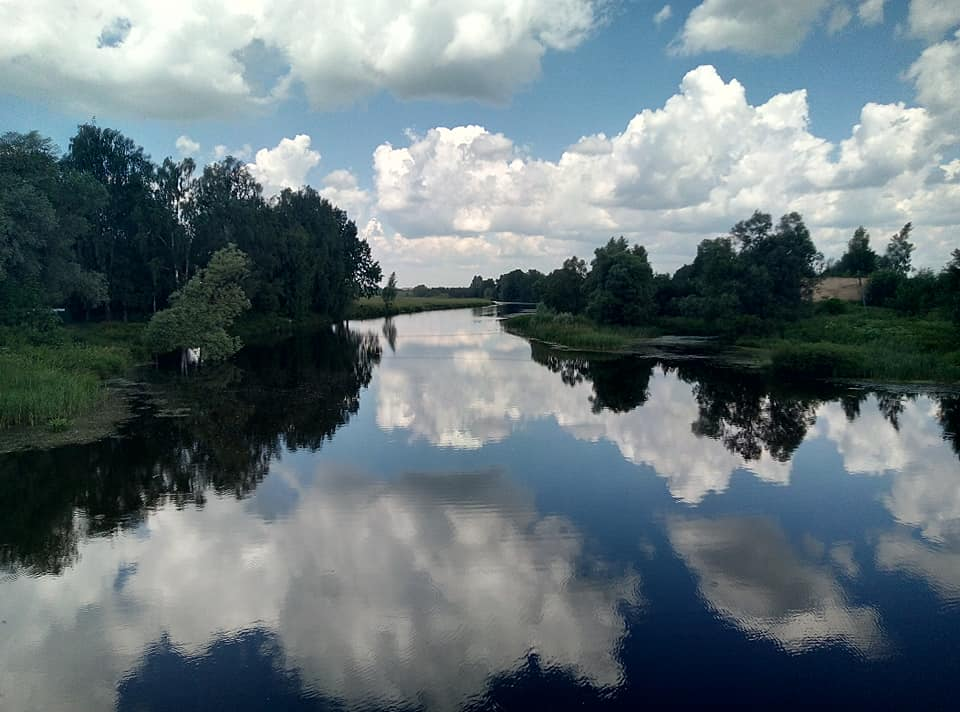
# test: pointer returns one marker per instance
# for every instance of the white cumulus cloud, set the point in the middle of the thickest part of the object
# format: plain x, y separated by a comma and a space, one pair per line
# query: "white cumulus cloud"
931, 19
186, 146
937, 76
284, 166
751, 26
673, 176
182, 59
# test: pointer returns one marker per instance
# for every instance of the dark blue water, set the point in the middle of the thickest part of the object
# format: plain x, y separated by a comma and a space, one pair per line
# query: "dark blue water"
433, 514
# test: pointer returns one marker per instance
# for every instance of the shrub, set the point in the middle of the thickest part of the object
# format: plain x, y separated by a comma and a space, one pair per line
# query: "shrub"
818, 361
882, 287
831, 306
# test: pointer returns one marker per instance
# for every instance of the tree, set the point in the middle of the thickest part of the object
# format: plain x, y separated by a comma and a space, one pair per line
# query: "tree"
118, 245
201, 313
174, 182
620, 284
882, 287
859, 259
951, 280
389, 292
563, 288
899, 250
781, 266
520, 286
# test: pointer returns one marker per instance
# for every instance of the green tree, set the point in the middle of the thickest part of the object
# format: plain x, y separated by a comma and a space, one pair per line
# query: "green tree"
781, 266
620, 284
520, 286
899, 249
563, 288
859, 260
389, 292
882, 287
201, 313
951, 281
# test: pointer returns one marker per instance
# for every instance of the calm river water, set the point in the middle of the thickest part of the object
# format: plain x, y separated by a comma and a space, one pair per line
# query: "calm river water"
430, 513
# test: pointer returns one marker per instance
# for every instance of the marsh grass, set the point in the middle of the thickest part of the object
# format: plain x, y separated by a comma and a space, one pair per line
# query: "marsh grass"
575, 332
866, 342
849, 342
56, 378
374, 308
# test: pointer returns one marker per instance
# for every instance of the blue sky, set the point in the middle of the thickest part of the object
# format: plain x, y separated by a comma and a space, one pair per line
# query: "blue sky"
873, 140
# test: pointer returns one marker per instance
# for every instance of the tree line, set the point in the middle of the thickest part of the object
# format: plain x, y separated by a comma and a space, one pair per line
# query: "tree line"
105, 232
761, 272
891, 281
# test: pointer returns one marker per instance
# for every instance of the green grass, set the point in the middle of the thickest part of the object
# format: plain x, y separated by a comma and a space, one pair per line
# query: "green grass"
575, 332
374, 308
867, 342
52, 379
853, 342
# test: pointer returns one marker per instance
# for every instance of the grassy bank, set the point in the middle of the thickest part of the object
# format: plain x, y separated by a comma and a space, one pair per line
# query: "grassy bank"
48, 380
373, 307
576, 332
861, 342
866, 342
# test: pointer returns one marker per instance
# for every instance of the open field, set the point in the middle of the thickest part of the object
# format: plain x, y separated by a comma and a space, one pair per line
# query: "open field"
847, 289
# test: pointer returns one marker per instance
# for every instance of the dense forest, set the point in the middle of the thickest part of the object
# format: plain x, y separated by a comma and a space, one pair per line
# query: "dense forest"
105, 232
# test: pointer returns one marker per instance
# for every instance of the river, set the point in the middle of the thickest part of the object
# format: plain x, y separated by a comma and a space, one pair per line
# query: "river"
430, 513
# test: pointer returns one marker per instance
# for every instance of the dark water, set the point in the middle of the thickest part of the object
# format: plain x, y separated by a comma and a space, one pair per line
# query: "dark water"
431, 514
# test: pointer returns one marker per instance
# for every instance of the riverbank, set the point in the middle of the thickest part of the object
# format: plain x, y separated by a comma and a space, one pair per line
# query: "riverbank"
54, 381
374, 308
860, 342
47, 380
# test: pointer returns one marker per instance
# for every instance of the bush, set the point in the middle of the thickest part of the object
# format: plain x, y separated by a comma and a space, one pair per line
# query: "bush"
831, 306
818, 361
882, 287
918, 294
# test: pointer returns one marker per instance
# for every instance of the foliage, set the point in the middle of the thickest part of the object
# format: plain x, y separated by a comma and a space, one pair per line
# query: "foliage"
370, 308
831, 306
859, 259
817, 360
951, 285
54, 378
918, 294
104, 231
620, 284
201, 313
899, 249
563, 289
520, 286
882, 287
576, 332
389, 292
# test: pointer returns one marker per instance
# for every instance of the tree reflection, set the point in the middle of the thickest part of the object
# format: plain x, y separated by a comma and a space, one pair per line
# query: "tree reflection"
216, 431
949, 417
748, 414
619, 384
390, 333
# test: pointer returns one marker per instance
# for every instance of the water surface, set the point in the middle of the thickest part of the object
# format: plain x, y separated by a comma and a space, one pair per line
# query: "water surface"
429, 513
